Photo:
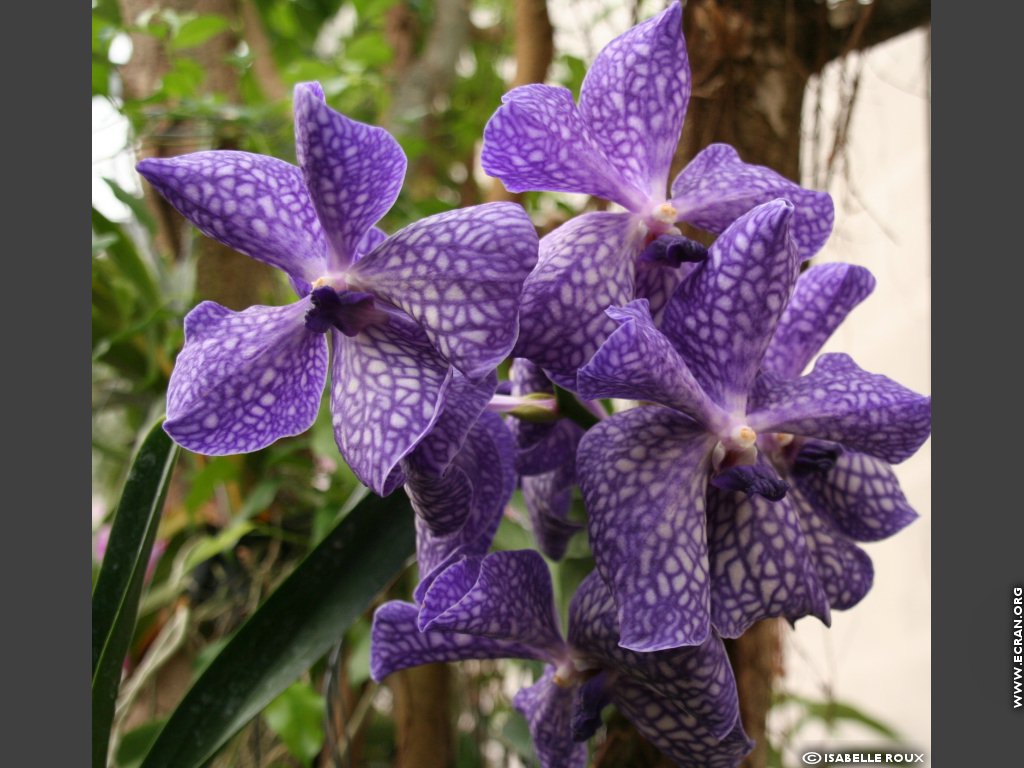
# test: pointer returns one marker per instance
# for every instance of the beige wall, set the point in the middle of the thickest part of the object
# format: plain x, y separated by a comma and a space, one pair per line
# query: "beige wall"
877, 655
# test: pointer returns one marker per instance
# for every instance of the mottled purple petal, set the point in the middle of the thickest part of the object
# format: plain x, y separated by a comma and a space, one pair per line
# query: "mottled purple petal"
585, 266
722, 318
680, 735
487, 461
638, 362
657, 282
844, 569
643, 474
699, 678
396, 643
634, 99
374, 236
551, 450
506, 596
353, 171
465, 402
312, 90
548, 499
824, 295
442, 502
841, 402
460, 275
388, 388
760, 564
254, 204
548, 710
245, 379
862, 495
716, 188
536, 140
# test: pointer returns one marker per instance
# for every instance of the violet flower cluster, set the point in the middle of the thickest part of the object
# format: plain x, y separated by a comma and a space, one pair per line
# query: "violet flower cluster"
736, 488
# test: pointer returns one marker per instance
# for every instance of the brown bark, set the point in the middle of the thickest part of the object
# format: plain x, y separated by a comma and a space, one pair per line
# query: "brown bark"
535, 48
423, 722
222, 274
756, 663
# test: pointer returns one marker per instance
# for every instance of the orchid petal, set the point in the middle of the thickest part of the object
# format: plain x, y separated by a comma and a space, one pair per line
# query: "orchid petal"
585, 266
824, 295
537, 140
548, 499
841, 402
487, 461
862, 495
760, 563
388, 389
643, 474
844, 569
638, 362
460, 275
465, 402
716, 188
506, 596
677, 733
254, 204
555, 446
722, 318
245, 379
353, 171
634, 97
548, 710
699, 678
657, 282
396, 643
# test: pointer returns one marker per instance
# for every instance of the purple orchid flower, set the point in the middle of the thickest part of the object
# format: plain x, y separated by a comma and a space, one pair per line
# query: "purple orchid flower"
459, 480
681, 557
501, 606
841, 496
404, 312
546, 462
618, 144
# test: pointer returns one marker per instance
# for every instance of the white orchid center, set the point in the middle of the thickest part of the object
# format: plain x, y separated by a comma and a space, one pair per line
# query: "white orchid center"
665, 213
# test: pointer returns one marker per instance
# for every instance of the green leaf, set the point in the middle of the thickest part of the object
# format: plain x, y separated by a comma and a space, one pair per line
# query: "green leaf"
115, 599
136, 204
136, 743
296, 625
211, 546
198, 30
830, 712
297, 716
371, 50
125, 256
183, 79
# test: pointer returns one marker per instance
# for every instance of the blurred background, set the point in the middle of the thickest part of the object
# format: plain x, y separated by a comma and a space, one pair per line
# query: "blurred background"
835, 94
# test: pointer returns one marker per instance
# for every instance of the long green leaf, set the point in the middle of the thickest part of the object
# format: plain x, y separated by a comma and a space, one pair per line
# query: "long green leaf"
296, 625
115, 599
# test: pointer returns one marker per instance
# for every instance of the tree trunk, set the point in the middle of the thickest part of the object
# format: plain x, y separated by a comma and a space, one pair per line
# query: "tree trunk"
423, 724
